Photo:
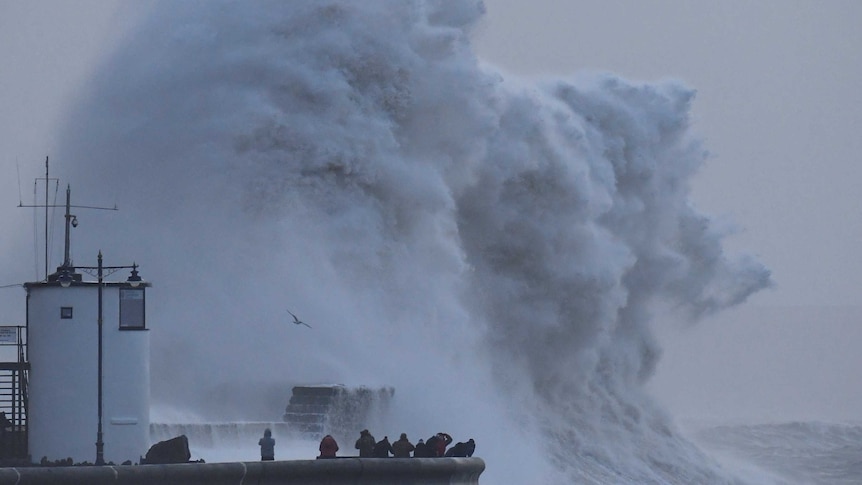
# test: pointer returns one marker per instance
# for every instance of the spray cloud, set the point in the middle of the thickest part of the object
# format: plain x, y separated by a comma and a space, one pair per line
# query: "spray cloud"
493, 252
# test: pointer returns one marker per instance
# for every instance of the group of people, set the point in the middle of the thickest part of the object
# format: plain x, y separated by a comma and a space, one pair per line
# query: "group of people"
368, 447
434, 446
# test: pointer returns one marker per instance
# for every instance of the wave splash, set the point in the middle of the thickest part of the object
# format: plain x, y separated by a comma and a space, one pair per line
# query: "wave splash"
492, 251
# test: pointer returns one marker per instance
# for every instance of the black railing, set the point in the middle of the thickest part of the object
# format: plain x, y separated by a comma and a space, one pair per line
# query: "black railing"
13, 392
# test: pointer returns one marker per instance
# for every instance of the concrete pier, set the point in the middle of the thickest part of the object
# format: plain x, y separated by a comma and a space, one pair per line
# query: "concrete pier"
339, 471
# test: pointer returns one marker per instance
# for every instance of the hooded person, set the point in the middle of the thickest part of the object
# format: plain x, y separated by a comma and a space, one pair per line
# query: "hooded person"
462, 449
402, 447
5, 424
383, 448
421, 450
431, 445
365, 444
328, 447
470, 448
267, 446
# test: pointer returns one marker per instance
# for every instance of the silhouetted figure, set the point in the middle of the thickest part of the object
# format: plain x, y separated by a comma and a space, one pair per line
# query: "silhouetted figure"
437, 444
365, 444
267, 446
462, 449
421, 450
5, 424
431, 445
328, 447
471, 447
5, 429
382, 449
402, 447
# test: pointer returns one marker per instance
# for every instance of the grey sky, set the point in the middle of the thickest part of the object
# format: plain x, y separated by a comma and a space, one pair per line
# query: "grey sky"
778, 103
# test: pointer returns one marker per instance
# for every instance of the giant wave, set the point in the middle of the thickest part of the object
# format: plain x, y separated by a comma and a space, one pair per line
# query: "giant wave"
493, 251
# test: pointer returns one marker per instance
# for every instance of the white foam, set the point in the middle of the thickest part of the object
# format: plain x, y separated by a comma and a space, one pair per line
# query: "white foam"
490, 250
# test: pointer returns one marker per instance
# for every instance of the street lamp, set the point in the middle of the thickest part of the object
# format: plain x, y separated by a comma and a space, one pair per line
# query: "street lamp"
65, 278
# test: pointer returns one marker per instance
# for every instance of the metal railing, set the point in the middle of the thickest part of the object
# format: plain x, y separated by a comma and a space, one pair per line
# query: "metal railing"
14, 370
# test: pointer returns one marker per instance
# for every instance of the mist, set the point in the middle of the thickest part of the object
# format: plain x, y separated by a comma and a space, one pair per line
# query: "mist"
492, 249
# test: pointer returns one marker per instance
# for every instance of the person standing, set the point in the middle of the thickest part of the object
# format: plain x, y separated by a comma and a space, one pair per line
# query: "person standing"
431, 446
267, 446
6, 428
444, 441
328, 447
462, 449
421, 450
402, 447
383, 448
470, 448
437, 444
5, 425
365, 444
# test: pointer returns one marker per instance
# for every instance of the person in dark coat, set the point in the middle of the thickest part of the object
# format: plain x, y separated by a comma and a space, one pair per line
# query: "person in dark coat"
402, 447
267, 446
421, 450
365, 444
431, 445
470, 448
328, 447
5, 424
462, 449
6, 427
383, 448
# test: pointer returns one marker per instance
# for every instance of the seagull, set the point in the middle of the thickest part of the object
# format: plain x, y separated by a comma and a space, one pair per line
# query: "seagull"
298, 321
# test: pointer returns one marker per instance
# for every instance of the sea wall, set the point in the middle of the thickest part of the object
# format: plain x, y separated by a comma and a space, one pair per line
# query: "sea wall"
354, 471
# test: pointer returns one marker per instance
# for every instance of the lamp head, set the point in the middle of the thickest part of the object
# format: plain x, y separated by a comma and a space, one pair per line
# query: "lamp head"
65, 279
134, 279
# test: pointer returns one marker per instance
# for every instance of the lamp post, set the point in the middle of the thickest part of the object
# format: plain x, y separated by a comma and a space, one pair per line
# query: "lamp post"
134, 281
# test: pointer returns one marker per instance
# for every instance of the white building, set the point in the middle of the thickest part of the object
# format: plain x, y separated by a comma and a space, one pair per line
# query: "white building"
64, 343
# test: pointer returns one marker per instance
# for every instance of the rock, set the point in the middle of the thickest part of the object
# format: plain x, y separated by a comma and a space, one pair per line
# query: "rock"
174, 450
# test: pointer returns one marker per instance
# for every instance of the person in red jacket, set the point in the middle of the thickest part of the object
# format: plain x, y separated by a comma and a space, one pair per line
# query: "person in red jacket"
438, 443
328, 447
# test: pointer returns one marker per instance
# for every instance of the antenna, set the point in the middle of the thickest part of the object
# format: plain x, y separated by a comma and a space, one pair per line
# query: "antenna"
71, 219
18, 169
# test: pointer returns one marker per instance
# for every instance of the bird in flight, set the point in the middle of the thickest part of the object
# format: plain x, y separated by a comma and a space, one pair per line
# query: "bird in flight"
298, 321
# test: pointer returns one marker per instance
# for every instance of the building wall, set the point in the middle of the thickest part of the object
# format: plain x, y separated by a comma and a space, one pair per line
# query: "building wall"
63, 383
126, 387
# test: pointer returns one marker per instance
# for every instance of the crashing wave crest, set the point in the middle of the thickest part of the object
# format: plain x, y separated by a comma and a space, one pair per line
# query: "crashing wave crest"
492, 251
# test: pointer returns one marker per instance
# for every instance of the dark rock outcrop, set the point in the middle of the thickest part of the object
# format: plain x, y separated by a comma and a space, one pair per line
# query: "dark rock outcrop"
174, 450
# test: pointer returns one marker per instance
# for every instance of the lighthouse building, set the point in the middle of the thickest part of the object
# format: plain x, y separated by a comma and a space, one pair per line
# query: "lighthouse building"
89, 380
79, 386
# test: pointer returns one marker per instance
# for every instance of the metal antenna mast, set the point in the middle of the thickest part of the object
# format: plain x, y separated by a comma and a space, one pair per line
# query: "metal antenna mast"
71, 220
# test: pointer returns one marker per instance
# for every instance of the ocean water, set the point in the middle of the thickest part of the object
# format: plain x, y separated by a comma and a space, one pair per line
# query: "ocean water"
496, 251
787, 453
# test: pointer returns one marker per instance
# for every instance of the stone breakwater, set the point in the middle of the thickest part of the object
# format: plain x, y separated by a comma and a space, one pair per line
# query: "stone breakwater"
355, 471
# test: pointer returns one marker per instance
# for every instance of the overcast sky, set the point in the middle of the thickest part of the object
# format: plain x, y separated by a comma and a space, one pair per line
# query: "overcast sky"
779, 105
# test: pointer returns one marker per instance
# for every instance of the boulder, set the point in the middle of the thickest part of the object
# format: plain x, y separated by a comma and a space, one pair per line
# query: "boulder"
174, 450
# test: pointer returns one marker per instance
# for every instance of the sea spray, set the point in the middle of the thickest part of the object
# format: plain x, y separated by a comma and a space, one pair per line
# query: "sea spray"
491, 251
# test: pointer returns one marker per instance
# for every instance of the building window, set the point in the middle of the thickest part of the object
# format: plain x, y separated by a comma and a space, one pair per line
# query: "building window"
65, 312
132, 314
